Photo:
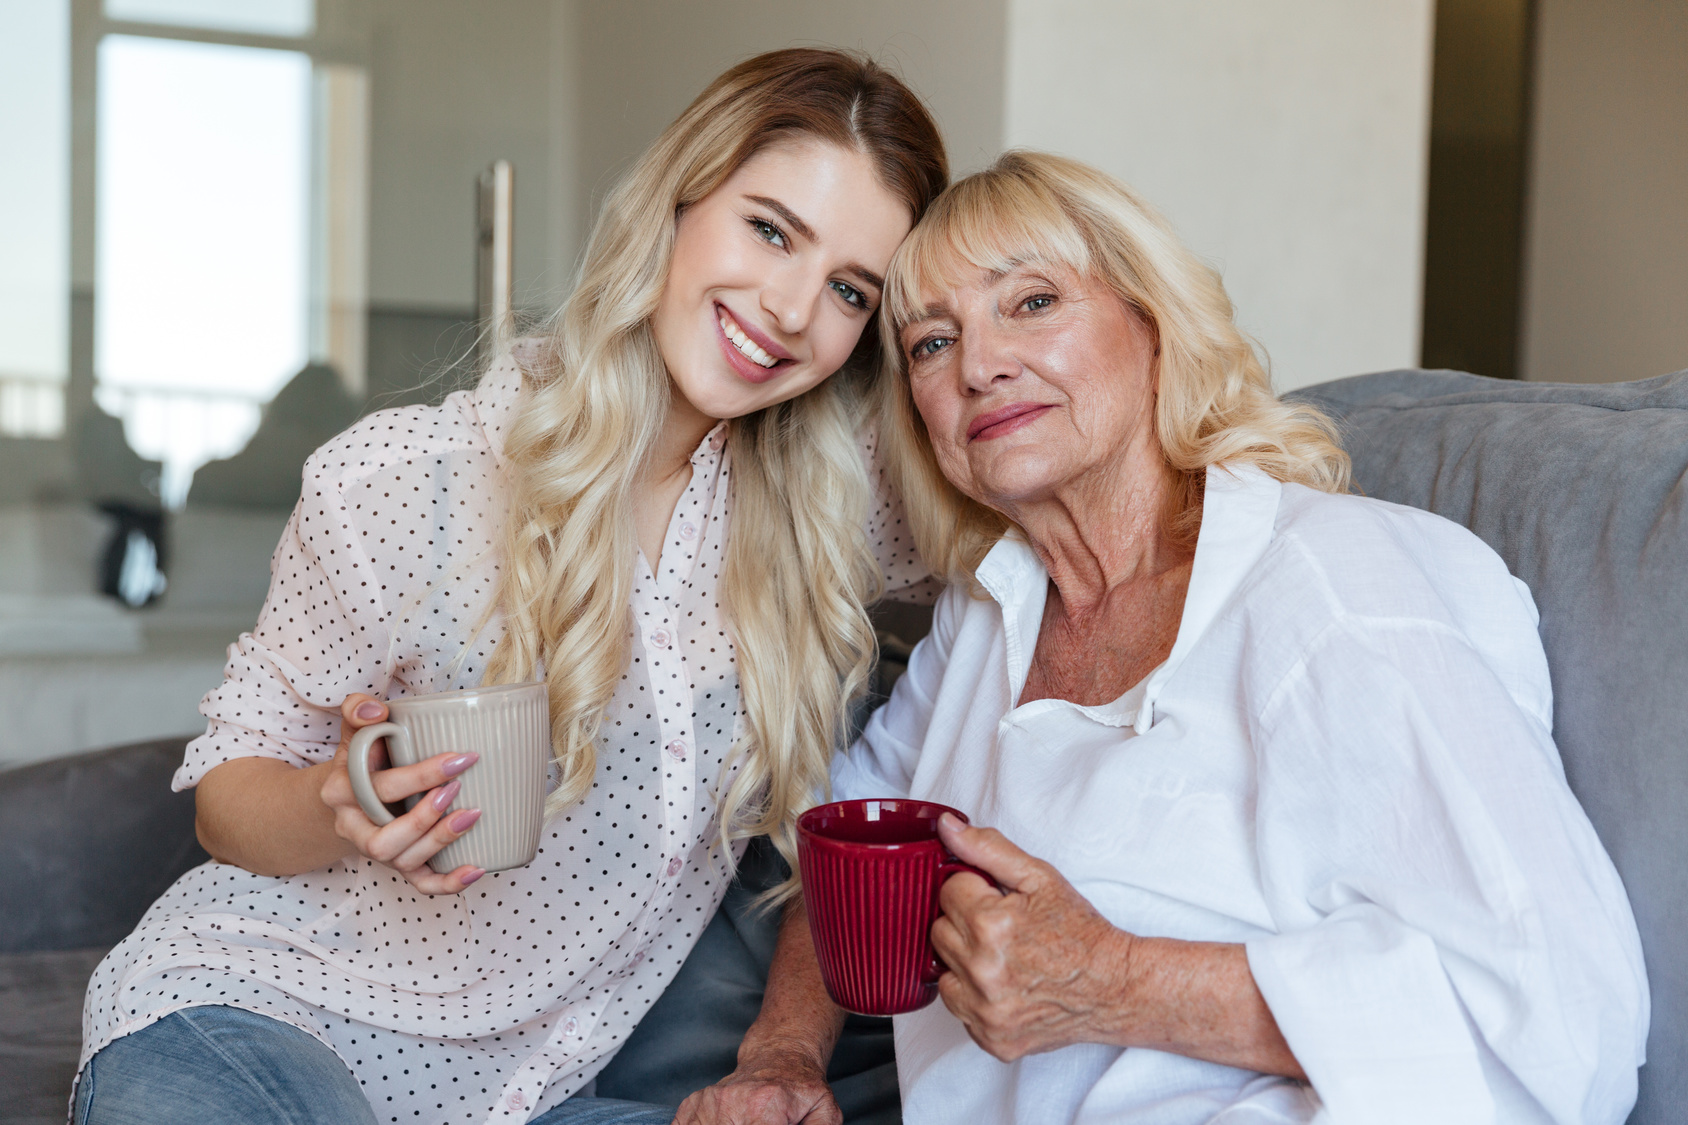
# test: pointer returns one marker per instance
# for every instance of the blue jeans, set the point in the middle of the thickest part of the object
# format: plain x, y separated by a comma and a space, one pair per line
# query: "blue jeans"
239, 1068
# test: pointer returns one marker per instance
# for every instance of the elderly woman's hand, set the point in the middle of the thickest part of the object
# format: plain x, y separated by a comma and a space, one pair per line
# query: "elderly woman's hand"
1033, 967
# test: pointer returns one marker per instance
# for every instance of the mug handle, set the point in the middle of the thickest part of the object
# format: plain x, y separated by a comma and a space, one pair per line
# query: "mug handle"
357, 764
951, 866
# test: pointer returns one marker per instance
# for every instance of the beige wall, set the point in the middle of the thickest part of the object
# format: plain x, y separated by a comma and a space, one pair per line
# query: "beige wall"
1285, 139
573, 90
1606, 235
639, 65
453, 87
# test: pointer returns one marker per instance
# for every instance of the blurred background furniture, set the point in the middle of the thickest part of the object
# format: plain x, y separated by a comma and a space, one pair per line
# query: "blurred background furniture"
1582, 489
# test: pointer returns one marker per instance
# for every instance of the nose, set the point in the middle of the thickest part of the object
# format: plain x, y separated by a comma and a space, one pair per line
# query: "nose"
786, 297
986, 359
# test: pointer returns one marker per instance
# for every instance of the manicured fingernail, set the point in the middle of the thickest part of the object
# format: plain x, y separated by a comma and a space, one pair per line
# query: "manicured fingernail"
462, 819
443, 799
472, 876
369, 709
454, 766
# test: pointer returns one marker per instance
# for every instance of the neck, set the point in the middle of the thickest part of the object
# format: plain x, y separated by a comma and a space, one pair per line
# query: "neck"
1105, 529
682, 429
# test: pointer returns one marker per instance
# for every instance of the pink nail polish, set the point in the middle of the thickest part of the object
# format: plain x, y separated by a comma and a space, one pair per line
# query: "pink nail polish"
462, 819
472, 876
369, 709
443, 799
451, 767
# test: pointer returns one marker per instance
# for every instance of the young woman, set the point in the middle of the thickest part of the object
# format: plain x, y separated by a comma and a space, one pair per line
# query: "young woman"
668, 511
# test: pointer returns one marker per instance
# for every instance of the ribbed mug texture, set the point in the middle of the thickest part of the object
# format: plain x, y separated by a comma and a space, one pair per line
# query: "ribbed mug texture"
871, 906
510, 728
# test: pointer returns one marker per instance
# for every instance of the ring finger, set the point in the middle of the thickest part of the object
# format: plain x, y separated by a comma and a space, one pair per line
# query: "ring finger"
448, 829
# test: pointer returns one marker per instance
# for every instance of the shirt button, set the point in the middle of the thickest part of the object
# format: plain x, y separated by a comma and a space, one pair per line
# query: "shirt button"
688, 530
639, 957
570, 1026
516, 1100
718, 440
674, 866
677, 748
660, 638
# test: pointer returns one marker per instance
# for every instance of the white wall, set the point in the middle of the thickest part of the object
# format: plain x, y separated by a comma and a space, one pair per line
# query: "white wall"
1287, 141
1606, 227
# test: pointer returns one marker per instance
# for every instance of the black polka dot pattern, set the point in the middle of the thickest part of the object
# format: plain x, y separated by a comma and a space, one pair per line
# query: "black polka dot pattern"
498, 1003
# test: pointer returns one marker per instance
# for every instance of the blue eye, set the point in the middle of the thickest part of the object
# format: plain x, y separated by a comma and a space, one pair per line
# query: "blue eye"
1034, 304
852, 296
768, 231
930, 346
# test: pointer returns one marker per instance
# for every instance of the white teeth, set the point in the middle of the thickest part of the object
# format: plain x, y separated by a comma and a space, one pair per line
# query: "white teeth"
744, 344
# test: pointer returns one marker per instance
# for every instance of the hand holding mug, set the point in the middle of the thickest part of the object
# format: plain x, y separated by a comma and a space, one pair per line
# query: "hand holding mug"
871, 873
1034, 967
408, 842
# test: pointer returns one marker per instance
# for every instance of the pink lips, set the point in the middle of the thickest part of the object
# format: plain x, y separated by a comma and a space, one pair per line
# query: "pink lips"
747, 368
1005, 420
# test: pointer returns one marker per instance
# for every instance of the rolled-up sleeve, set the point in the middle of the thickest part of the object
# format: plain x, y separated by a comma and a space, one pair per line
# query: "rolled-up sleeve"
1447, 920
321, 636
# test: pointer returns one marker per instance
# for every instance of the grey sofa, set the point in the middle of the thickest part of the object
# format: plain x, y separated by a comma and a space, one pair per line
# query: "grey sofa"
1582, 489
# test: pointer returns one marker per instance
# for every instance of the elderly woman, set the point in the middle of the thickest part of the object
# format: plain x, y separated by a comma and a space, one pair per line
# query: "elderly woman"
1279, 826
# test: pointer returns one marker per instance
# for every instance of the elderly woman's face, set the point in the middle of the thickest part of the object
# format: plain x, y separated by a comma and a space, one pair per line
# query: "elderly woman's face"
1031, 382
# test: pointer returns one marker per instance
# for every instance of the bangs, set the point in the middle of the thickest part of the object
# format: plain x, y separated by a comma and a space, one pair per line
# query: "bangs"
989, 222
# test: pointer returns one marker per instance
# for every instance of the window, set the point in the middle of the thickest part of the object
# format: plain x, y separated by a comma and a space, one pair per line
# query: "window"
229, 219
35, 218
202, 242
290, 18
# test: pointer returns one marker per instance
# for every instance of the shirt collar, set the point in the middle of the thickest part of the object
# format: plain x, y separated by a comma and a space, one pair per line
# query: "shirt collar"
1239, 510
713, 442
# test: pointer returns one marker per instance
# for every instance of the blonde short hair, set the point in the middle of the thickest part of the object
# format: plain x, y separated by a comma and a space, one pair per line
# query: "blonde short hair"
1215, 401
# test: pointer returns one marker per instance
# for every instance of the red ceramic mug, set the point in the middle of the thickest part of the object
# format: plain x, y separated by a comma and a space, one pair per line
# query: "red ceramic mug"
871, 875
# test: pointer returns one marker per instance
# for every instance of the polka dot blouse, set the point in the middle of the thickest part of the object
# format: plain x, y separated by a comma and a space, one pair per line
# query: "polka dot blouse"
498, 1003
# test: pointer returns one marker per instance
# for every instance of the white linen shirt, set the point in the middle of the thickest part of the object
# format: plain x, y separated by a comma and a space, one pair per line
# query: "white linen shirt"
497, 1003
1345, 764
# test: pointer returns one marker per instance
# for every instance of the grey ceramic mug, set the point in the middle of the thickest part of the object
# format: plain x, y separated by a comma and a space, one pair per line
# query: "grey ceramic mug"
510, 728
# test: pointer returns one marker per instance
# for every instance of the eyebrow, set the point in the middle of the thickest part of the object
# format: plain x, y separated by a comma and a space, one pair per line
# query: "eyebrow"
788, 215
808, 232
939, 311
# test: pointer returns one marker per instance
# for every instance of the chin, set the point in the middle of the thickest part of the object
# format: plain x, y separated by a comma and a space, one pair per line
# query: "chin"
722, 403
1017, 483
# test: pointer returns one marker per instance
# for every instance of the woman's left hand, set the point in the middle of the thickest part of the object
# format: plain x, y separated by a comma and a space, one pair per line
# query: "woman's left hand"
1034, 967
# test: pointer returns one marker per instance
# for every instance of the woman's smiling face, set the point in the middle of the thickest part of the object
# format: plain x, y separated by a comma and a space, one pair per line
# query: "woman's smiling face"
1033, 382
775, 274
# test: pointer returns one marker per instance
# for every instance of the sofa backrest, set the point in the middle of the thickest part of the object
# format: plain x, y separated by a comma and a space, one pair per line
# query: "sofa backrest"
1583, 490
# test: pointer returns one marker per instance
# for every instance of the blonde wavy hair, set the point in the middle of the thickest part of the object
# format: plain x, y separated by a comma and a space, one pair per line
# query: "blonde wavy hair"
1215, 402
798, 569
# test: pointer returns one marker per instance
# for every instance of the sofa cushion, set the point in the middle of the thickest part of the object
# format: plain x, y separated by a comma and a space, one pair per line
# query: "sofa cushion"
1583, 490
41, 1031
90, 841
